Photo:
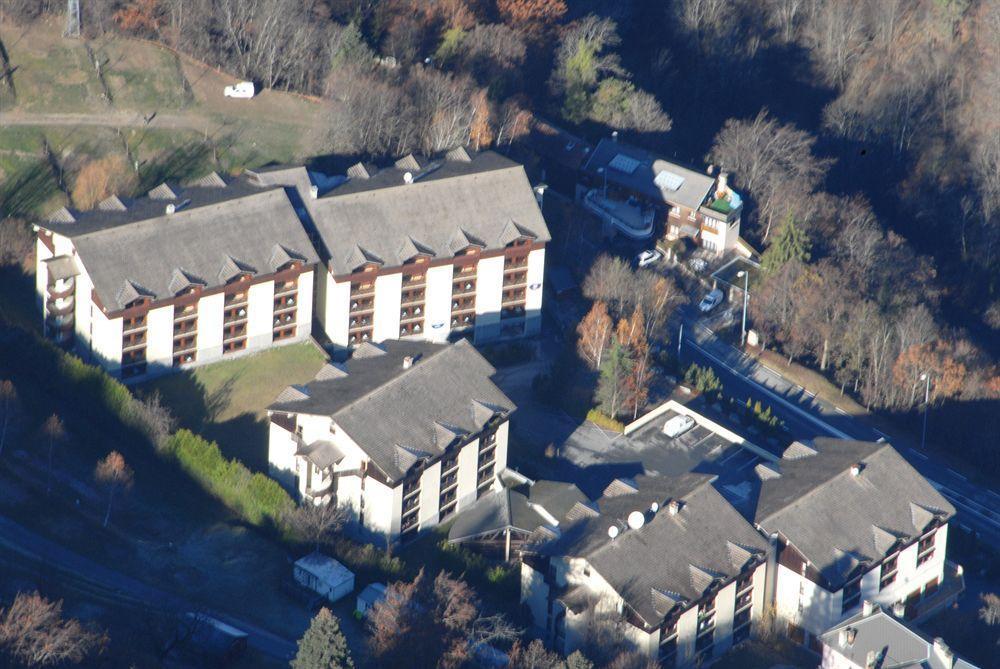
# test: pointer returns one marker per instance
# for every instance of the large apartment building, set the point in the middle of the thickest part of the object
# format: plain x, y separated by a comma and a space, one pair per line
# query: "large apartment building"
430, 249
184, 276
852, 522
689, 203
664, 558
404, 434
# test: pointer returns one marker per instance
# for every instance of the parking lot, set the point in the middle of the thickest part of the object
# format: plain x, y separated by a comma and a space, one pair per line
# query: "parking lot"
595, 456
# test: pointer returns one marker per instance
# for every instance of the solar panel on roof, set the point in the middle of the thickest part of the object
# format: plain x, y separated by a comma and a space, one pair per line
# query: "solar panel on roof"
668, 180
624, 163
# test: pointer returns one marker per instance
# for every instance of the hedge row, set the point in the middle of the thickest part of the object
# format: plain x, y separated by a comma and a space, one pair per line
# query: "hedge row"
257, 498
598, 418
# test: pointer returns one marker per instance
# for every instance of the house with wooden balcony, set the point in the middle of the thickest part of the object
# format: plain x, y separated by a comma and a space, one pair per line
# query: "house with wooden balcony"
430, 249
404, 435
686, 202
184, 276
664, 560
852, 522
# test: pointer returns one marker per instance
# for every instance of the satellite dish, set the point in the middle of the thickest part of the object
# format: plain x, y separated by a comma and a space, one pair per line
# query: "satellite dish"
613, 531
654, 507
408, 177
636, 519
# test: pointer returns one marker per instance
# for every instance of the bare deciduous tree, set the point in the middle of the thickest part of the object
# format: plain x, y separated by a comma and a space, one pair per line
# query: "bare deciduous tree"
595, 334
33, 632
317, 524
115, 475
773, 161
54, 431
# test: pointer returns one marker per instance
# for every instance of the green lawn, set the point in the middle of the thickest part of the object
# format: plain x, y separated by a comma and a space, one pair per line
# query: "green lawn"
226, 401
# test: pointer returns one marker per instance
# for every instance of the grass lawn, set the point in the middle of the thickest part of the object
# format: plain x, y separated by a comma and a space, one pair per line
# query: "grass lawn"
226, 401
758, 654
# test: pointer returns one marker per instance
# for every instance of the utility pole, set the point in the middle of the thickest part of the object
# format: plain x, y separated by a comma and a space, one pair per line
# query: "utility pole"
72, 18
746, 296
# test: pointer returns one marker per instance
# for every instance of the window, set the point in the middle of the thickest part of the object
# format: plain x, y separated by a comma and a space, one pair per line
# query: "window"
931, 587
675, 211
888, 573
925, 549
851, 594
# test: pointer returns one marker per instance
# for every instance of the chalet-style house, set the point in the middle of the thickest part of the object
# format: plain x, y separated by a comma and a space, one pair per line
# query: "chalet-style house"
687, 202
183, 276
502, 521
665, 558
430, 249
404, 434
851, 522
874, 639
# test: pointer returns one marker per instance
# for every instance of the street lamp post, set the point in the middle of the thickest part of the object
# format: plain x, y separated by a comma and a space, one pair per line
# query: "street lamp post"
926, 376
746, 295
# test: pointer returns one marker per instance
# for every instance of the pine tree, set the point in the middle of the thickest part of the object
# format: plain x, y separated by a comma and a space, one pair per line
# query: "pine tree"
792, 243
323, 646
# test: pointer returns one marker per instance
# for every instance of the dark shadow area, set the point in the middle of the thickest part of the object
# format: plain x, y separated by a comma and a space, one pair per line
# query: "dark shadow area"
22, 193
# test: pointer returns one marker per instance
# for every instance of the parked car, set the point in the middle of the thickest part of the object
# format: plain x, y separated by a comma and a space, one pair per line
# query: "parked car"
677, 426
244, 89
710, 301
648, 257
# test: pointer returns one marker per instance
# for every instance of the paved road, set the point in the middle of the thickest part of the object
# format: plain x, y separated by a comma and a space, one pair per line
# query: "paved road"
77, 568
806, 416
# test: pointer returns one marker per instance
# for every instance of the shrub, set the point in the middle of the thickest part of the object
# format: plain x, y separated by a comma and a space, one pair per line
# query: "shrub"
598, 418
705, 381
257, 498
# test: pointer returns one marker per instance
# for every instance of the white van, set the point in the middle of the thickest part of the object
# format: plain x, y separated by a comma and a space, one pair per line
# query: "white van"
244, 89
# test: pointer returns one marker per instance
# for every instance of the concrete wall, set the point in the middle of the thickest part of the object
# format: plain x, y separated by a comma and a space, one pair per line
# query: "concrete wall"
210, 315
159, 338
305, 305
334, 302
387, 301
260, 315
489, 293
437, 306
430, 496
536, 285
106, 342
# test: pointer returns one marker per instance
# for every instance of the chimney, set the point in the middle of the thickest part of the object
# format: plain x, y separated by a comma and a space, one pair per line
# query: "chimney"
943, 652
171, 208
408, 362
408, 177
313, 192
899, 609
856, 469
723, 184
847, 636
614, 135
673, 507
867, 607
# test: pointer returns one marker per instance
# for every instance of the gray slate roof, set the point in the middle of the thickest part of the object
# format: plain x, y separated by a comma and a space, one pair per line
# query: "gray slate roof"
901, 646
516, 509
691, 194
486, 200
396, 415
838, 520
215, 232
671, 559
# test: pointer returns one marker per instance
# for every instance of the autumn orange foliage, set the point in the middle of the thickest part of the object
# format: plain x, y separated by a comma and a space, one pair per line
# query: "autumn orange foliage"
99, 179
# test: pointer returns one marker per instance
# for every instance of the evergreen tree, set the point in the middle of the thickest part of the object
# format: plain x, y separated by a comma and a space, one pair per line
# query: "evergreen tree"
791, 244
615, 372
323, 646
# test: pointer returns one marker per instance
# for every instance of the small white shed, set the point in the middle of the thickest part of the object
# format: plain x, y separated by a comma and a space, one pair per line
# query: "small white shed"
324, 575
367, 598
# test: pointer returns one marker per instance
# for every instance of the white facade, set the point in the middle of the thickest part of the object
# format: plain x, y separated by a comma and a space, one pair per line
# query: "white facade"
567, 630
353, 482
334, 302
807, 605
104, 338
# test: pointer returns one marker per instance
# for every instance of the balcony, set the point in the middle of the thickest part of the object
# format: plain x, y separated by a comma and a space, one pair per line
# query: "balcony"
185, 346
185, 327
410, 299
236, 315
414, 280
134, 343
55, 309
236, 300
516, 300
361, 291
514, 264
284, 304
239, 333
463, 287
130, 325
287, 288
56, 291
285, 318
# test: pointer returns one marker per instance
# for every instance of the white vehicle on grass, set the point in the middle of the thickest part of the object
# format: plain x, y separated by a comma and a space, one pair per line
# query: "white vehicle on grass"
710, 301
677, 426
244, 90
